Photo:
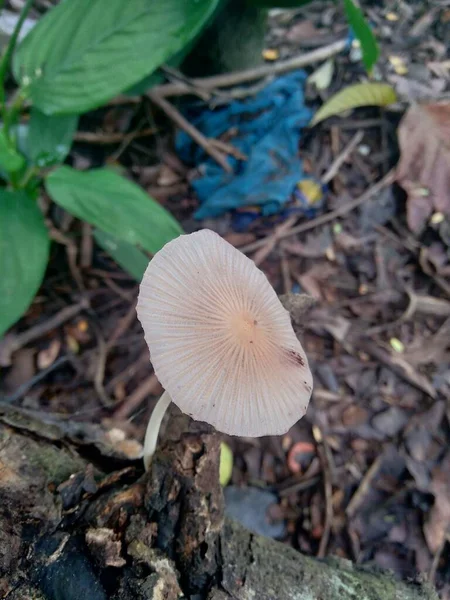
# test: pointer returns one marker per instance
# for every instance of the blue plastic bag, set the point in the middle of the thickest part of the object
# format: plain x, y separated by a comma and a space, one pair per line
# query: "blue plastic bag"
268, 131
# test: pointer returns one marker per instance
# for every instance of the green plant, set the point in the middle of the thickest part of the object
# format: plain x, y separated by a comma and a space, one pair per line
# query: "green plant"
79, 56
68, 64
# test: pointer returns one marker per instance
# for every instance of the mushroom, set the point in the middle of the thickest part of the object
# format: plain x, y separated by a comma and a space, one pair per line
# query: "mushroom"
220, 341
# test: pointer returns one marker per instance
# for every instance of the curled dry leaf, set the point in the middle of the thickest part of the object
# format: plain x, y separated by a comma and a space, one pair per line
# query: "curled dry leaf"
424, 167
48, 356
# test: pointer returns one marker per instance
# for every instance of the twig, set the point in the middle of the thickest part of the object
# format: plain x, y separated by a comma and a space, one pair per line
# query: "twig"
358, 497
71, 251
299, 486
11, 343
127, 140
323, 219
176, 76
124, 294
271, 240
111, 274
99, 374
285, 273
436, 559
87, 246
130, 370
204, 87
222, 97
192, 131
228, 149
326, 460
238, 77
399, 365
122, 326
147, 387
103, 138
25, 387
343, 156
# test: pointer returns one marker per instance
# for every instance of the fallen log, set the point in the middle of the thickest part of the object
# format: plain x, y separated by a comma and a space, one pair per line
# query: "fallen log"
79, 521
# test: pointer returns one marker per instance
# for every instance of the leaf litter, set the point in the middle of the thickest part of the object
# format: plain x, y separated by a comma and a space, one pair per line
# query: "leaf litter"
424, 167
382, 414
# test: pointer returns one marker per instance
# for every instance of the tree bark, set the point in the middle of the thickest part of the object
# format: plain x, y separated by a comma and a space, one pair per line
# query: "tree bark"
79, 521
233, 41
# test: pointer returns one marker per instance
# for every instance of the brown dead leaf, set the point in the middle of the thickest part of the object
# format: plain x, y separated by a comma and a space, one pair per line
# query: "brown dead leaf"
167, 176
424, 167
239, 239
313, 281
48, 356
354, 415
438, 524
303, 31
22, 370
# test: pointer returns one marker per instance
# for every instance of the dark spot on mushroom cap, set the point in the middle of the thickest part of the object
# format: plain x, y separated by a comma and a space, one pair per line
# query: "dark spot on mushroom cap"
295, 357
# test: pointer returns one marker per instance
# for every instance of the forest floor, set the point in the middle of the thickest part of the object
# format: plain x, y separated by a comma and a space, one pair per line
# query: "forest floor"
365, 474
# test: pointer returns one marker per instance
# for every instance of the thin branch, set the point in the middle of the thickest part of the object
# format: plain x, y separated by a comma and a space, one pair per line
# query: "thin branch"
342, 157
91, 137
323, 219
148, 387
192, 131
327, 462
238, 77
436, 559
12, 343
205, 87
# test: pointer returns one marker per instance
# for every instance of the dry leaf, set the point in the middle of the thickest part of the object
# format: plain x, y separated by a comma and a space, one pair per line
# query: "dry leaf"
323, 76
48, 356
304, 31
424, 167
167, 176
438, 523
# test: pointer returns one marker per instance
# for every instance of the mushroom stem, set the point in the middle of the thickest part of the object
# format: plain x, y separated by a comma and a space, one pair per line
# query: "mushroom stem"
153, 427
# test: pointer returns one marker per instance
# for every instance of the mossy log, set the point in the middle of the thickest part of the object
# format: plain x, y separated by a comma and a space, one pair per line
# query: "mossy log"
78, 521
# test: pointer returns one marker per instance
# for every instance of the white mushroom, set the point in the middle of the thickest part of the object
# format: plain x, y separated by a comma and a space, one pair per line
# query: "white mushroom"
221, 343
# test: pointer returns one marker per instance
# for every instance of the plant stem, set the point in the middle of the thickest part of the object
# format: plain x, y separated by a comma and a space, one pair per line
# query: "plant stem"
154, 424
4, 63
6, 58
12, 111
31, 171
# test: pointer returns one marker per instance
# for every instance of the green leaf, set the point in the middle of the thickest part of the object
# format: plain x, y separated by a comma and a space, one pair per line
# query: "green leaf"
130, 258
24, 247
279, 3
354, 96
82, 53
364, 34
114, 204
10, 159
139, 88
50, 137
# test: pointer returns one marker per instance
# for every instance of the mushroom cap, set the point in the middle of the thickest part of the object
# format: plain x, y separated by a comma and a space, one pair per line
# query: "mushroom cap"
220, 341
